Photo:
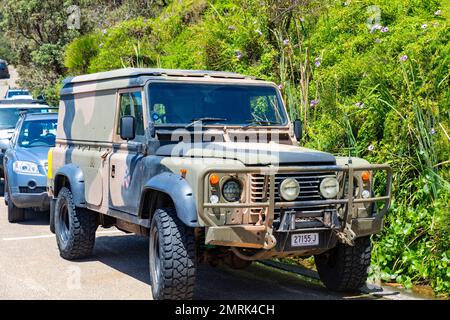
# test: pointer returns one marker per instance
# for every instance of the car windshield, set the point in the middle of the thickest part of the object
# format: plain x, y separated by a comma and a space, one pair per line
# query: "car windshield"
181, 104
8, 118
38, 133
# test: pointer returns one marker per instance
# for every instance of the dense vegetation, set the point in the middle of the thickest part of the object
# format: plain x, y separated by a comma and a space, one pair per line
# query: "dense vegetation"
370, 78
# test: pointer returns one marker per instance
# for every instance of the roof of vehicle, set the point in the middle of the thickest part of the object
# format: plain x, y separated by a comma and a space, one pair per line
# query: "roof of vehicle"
22, 103
135, 72
18, 89
134, 77
41, 116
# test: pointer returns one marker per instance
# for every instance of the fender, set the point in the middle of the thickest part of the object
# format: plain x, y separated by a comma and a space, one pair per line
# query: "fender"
179, 190
75, 176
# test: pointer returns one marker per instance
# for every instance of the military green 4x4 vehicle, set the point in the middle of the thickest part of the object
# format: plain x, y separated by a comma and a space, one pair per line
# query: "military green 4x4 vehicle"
207, 164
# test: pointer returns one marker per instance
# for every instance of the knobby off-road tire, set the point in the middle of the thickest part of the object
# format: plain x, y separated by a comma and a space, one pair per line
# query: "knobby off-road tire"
344, 268
172, 257
74, 227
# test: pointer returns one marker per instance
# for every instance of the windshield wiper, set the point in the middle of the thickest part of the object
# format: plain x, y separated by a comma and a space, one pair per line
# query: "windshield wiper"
254, 123
205, 119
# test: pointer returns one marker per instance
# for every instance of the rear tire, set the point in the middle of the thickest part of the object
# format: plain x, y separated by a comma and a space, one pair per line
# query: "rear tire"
74, 227
15, 214
344, 268
172, 257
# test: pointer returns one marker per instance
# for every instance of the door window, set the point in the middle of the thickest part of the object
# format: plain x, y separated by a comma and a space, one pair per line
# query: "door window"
131, 105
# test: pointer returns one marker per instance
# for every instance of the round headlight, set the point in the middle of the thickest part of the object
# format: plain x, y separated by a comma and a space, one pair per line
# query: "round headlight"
231, 190
289, 189
329, 188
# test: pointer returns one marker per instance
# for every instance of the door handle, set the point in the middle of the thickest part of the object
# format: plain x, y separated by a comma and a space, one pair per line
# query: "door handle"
113, 171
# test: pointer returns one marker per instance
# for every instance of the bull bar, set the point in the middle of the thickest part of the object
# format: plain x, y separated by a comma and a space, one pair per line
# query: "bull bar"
269, 203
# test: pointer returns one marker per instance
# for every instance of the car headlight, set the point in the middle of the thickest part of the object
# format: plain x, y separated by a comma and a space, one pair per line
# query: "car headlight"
25, 167
231, 190
289, 189
329, 188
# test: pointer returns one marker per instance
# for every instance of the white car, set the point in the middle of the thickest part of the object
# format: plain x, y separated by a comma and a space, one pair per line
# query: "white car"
14, 94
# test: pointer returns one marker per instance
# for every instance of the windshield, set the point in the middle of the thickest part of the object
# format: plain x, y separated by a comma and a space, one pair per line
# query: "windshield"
38, 133
8, 118
181, 104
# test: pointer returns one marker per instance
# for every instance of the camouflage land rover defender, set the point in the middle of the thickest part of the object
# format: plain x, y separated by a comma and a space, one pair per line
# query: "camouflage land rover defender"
207, 164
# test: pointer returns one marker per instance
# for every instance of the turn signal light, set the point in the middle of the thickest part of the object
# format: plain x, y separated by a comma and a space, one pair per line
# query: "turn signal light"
214, 179
365, 176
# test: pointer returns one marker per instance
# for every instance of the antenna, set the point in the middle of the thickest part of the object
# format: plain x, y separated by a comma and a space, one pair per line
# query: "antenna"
349, 140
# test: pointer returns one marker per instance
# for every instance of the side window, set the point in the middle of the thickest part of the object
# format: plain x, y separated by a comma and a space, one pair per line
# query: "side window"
131, 105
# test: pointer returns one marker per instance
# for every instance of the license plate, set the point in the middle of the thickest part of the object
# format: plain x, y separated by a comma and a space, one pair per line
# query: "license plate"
304, 239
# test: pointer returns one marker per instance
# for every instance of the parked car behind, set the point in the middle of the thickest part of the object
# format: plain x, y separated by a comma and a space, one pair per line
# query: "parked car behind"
15, 94
4, 73
25, 164
9, 114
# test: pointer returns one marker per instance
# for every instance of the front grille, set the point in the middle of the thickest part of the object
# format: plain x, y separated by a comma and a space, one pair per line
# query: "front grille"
309, 185
311, 216
35, 190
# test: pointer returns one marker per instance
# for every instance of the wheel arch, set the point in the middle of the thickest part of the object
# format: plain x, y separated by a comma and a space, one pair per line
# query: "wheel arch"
166, 189
70, 176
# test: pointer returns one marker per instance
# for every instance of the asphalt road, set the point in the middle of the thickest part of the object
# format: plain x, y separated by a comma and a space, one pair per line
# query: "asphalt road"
31, 268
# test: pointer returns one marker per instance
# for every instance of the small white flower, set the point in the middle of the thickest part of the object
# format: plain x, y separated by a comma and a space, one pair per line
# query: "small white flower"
370, 148
438, 13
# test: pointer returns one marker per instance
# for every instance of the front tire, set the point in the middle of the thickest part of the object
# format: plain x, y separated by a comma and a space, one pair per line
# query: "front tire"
15, 214
172, 257
74, 227
344, 268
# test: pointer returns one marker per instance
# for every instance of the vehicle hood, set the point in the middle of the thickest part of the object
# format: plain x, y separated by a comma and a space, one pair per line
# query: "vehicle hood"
36, 154
248, 153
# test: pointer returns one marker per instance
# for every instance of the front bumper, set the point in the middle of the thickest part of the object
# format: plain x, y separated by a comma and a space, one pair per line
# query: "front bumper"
31, 200
265, 236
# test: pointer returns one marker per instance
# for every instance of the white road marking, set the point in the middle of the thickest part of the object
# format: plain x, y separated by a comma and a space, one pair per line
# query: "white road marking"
52, 235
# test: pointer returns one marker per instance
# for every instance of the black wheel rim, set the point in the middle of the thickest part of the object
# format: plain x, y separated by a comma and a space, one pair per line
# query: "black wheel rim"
63, 222
155, 259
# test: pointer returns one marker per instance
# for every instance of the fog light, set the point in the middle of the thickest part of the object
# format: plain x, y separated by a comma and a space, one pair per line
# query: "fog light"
329, 188
365, 194
214, 199
289, 189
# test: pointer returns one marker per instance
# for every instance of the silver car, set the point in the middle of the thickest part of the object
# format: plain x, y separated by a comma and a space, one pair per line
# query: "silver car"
9, 115
25, 164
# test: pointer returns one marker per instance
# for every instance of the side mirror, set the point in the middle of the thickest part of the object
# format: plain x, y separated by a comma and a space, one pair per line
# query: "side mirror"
127, 128
298, 129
